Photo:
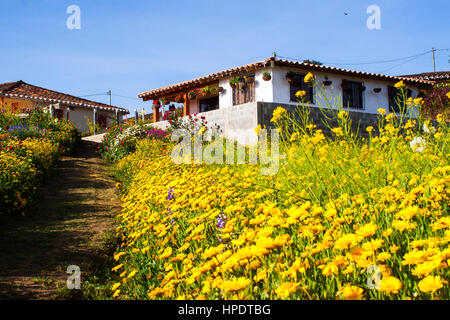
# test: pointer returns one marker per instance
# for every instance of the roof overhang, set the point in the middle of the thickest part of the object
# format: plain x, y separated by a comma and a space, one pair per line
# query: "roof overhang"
271, 62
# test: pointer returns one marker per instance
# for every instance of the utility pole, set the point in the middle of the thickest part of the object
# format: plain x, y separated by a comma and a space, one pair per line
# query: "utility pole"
109, 92
434, 64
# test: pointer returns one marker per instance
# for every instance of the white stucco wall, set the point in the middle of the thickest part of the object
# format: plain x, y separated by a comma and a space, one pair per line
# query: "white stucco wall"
371, 100
236, 122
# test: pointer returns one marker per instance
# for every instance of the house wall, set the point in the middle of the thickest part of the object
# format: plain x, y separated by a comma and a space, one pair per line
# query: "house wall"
233, 122
371, 100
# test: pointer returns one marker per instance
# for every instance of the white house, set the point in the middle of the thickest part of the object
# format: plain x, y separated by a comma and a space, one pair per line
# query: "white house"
262, 86
19, 96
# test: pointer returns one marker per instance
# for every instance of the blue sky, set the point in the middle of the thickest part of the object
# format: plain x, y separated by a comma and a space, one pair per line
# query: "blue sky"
133, 46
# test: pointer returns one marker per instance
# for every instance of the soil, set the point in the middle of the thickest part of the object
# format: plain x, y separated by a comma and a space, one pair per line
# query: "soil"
68, 224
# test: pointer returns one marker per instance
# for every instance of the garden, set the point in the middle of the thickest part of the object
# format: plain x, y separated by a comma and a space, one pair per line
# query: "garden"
345, 217
29, 147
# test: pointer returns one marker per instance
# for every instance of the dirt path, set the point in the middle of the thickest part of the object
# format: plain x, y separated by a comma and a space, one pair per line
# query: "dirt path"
66, 226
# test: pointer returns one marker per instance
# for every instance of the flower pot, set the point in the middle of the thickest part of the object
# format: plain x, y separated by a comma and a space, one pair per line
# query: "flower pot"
267, 77
362, 88
220, 89
377, 90
327, 83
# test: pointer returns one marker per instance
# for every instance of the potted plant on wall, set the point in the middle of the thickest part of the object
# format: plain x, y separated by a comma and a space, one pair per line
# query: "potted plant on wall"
290, 77
234, 81
179, 99
165, 101
192, 94
266, 76
327, 82
377, 90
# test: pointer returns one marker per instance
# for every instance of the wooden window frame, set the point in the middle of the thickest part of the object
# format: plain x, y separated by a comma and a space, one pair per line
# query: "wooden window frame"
207, 98
248, 94
352, 84
298, 84
396, 94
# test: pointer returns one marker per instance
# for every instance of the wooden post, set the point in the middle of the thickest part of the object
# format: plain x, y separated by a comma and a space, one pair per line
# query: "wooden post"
95, 119
155, 114
186, 105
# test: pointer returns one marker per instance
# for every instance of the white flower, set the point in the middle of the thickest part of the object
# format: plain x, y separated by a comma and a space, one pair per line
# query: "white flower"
418, 144
430, 129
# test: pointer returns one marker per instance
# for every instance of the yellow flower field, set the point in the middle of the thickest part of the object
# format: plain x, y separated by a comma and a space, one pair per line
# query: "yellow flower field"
343, 218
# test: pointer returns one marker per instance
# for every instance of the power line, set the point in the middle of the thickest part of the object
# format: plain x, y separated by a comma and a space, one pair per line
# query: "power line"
402, 63
371, 62
118, 95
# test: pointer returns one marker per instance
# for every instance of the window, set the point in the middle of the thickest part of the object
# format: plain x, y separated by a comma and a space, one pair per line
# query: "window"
352, 94
396, 100
298, 84
209, 104
244, 92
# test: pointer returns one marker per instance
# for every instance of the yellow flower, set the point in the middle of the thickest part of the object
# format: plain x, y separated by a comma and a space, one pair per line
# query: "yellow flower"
430, 284
418, 101
132, 274
235, 285
116, 293
381, 111
300, 94
117, 267
167, 253
390, 285
369, 129
342, 114
277, 114
448, 94
309, 78
287, 288
350, 292
400, 85
294, 136
337, 131
115, 286
257, 129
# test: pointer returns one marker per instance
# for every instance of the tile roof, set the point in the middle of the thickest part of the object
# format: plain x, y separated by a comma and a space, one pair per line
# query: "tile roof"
186, 85
23, 90
433, 76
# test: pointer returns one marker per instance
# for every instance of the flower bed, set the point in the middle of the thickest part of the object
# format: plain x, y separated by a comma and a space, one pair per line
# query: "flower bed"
28, 149
344, 218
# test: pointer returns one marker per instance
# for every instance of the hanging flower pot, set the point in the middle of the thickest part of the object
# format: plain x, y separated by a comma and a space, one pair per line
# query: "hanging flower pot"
327, 83
267, 76
377, 90
156, 103
290, 77
234, 82
220, 89
362, 88
179, 99
192, 95
165, 101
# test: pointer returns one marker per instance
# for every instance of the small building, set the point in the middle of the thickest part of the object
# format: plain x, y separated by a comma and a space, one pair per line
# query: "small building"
19, 96
238, 99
